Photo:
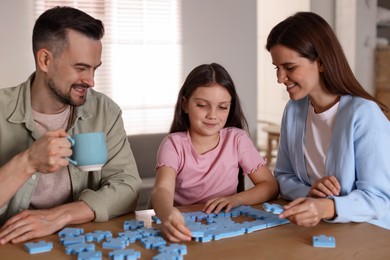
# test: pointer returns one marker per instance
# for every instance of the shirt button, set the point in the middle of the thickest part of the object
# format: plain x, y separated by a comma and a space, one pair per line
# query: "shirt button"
33, 177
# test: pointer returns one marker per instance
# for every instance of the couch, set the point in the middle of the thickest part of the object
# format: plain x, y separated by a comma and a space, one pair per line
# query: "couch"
145, 147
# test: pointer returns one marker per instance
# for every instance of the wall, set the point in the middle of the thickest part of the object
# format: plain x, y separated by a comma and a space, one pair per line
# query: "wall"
16, 23
272, 96
356, 28
224, 31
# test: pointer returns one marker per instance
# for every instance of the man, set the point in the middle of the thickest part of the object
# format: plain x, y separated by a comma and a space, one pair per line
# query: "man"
40, 191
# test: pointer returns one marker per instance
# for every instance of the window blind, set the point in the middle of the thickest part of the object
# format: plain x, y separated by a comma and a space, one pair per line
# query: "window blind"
141, 59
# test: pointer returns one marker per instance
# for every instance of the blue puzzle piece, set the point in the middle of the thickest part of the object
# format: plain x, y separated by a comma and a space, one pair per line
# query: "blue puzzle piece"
196, 215
75, 249
38, 247
124, 254
167, 256
180, 249
207, 237
256, 225
70, 232
324, 241
98, 236
147, 232
232, 231
116, 243
156, 220
153, 242
133, 224
131, 236
69, 240
93, 255
274, 208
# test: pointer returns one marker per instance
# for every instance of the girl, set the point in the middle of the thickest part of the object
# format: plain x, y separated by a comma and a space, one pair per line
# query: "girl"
200, 159
333, 151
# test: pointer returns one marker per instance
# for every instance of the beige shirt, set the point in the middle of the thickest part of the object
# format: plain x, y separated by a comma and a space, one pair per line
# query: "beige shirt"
55, 188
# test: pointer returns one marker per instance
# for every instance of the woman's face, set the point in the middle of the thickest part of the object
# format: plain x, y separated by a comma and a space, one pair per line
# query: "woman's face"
300, 75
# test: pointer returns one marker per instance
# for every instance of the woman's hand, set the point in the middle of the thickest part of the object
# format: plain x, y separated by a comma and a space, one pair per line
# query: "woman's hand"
308, 212
326, 186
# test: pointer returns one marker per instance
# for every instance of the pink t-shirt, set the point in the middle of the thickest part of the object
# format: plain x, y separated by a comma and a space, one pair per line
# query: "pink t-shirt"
201, 177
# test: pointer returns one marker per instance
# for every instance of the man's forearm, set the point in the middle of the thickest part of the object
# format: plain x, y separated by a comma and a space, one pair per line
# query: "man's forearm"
13, 175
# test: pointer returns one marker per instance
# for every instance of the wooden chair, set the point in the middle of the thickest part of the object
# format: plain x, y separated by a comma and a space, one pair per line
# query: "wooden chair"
273, 133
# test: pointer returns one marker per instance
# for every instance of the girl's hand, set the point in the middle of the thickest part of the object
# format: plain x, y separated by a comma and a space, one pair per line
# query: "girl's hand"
218, 204
174, 227
326, 186
308, 212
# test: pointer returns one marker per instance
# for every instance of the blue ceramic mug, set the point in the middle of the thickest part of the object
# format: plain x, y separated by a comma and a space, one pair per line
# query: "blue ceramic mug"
89, 151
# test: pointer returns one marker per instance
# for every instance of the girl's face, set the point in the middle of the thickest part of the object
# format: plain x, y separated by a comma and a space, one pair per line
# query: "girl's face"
300, 75
208, 109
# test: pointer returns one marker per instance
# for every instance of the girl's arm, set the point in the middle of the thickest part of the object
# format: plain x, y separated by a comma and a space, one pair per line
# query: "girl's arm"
173, 225
265, 188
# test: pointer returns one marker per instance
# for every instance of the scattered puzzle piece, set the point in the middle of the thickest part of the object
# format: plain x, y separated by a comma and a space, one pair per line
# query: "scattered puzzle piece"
98, 236
69, 240
155, 219
75, 249
180, 249
122, 254
133, 224
131, 236
93, 255
70, 232
38, 247
147, 232
116, 243
324, 241
153, 242
167, 256
274, 208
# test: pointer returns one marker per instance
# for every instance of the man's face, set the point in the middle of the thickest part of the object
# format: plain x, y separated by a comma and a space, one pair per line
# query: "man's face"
72, 71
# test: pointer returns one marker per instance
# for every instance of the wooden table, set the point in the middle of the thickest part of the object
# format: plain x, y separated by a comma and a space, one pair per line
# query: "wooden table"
353, 241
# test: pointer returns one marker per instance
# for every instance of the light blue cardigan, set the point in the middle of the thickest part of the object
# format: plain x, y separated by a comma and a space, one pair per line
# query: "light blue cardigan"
358, 157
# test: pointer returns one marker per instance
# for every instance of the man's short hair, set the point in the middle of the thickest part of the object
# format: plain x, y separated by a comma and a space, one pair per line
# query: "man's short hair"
50, 29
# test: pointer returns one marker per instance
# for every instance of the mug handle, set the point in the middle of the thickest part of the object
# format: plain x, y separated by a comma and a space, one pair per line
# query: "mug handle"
72, 143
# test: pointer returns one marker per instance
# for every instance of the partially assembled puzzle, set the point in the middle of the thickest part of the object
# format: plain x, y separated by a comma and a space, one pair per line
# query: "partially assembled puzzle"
204, 228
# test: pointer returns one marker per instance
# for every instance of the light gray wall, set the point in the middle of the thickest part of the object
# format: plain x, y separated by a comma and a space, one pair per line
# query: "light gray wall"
324, 8
354, 22
16, 23
224, 31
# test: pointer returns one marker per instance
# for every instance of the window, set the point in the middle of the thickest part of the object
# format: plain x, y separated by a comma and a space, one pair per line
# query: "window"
141, 69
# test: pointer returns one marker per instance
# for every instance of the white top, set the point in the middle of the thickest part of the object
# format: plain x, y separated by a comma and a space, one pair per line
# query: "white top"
317, 138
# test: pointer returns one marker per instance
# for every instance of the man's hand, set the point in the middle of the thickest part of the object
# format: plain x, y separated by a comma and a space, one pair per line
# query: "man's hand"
48, 154
30, 224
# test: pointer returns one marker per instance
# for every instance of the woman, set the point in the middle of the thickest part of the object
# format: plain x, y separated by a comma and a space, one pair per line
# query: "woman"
332, 159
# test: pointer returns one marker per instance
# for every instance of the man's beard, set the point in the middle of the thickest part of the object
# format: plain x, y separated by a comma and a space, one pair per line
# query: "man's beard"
64, 97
